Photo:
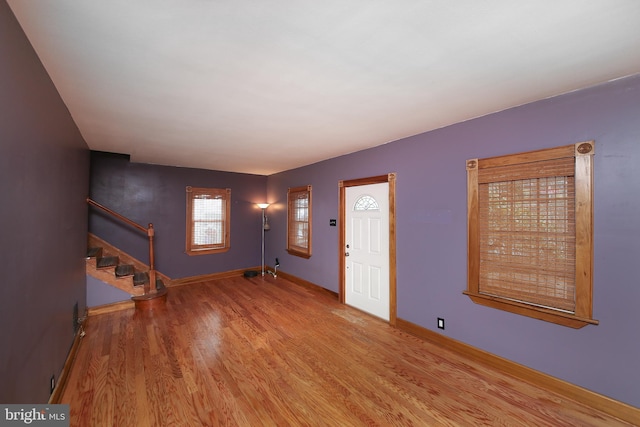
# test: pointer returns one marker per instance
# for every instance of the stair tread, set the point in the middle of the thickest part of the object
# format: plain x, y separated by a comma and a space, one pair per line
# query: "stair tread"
106, 262
94, 252
125, 270
140, 278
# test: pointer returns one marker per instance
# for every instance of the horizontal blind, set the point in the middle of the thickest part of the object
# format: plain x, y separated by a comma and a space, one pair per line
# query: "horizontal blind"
527, 233
546, 168
208, 217
299, 219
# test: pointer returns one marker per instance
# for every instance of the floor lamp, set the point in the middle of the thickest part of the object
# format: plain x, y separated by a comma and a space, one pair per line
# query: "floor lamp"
265, 226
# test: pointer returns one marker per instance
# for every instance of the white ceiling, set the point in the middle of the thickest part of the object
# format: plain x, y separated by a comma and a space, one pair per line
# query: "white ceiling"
261, 86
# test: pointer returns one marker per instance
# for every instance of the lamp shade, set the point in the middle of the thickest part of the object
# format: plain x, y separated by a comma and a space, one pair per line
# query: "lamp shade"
263, 205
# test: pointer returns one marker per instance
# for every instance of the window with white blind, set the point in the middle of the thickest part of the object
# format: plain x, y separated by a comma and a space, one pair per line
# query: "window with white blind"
530, 226
299, 221
208, 220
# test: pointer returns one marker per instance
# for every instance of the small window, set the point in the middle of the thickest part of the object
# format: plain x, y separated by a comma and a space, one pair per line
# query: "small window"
208, 220
530, 226
366, 203
299, 221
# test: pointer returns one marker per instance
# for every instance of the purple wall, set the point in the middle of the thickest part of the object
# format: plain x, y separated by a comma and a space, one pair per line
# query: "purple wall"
431, 232
44, 173
101, 293
150, 193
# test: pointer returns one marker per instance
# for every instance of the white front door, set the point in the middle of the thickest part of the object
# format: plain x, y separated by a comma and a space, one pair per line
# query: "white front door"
366, 248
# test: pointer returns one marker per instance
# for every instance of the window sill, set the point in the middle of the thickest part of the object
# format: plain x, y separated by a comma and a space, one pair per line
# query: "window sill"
206, 251
548, 315
298, 253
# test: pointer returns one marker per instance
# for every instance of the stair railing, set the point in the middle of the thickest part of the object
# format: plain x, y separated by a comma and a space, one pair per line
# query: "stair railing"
151, 286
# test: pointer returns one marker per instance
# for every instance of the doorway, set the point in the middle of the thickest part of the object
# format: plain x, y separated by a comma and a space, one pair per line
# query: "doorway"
367, 245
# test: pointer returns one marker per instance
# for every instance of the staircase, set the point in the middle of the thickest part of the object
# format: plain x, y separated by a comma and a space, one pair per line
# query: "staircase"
110, 265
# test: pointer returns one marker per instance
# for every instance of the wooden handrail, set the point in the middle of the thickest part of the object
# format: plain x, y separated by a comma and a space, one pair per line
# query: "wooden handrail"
151, 286
116, 214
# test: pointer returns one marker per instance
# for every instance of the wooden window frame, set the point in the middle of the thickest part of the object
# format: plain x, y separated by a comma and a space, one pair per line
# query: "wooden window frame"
225, 194
293, 248
583, 313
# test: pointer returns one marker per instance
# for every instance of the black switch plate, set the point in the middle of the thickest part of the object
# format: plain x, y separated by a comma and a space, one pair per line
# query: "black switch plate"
332, 222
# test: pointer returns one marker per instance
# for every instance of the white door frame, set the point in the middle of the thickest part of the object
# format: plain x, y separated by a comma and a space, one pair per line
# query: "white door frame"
391, 179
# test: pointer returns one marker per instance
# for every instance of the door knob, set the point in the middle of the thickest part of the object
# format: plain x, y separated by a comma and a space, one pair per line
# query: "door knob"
346, 254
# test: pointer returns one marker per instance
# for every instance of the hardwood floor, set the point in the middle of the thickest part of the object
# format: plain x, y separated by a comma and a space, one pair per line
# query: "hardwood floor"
267, 352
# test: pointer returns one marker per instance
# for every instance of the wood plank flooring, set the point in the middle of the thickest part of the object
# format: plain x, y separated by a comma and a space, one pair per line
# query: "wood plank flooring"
267, 352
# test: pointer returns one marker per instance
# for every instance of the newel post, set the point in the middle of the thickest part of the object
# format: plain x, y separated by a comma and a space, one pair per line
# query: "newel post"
152, 269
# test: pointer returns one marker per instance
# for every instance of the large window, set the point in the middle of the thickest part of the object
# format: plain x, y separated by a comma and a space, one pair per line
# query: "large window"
299, 221
530, 226
208, 217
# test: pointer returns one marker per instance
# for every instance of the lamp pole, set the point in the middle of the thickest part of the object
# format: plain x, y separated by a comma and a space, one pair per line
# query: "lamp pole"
263, 206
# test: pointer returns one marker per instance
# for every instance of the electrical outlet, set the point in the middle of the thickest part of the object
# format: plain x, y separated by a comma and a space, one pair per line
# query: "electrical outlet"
52, 384
440, 323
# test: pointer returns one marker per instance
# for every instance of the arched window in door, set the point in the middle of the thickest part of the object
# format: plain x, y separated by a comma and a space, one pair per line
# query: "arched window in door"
366, 203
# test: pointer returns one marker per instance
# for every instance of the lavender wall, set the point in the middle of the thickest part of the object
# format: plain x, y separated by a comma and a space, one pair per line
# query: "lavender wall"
431, 232
101, 293
44, 165
151, 193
